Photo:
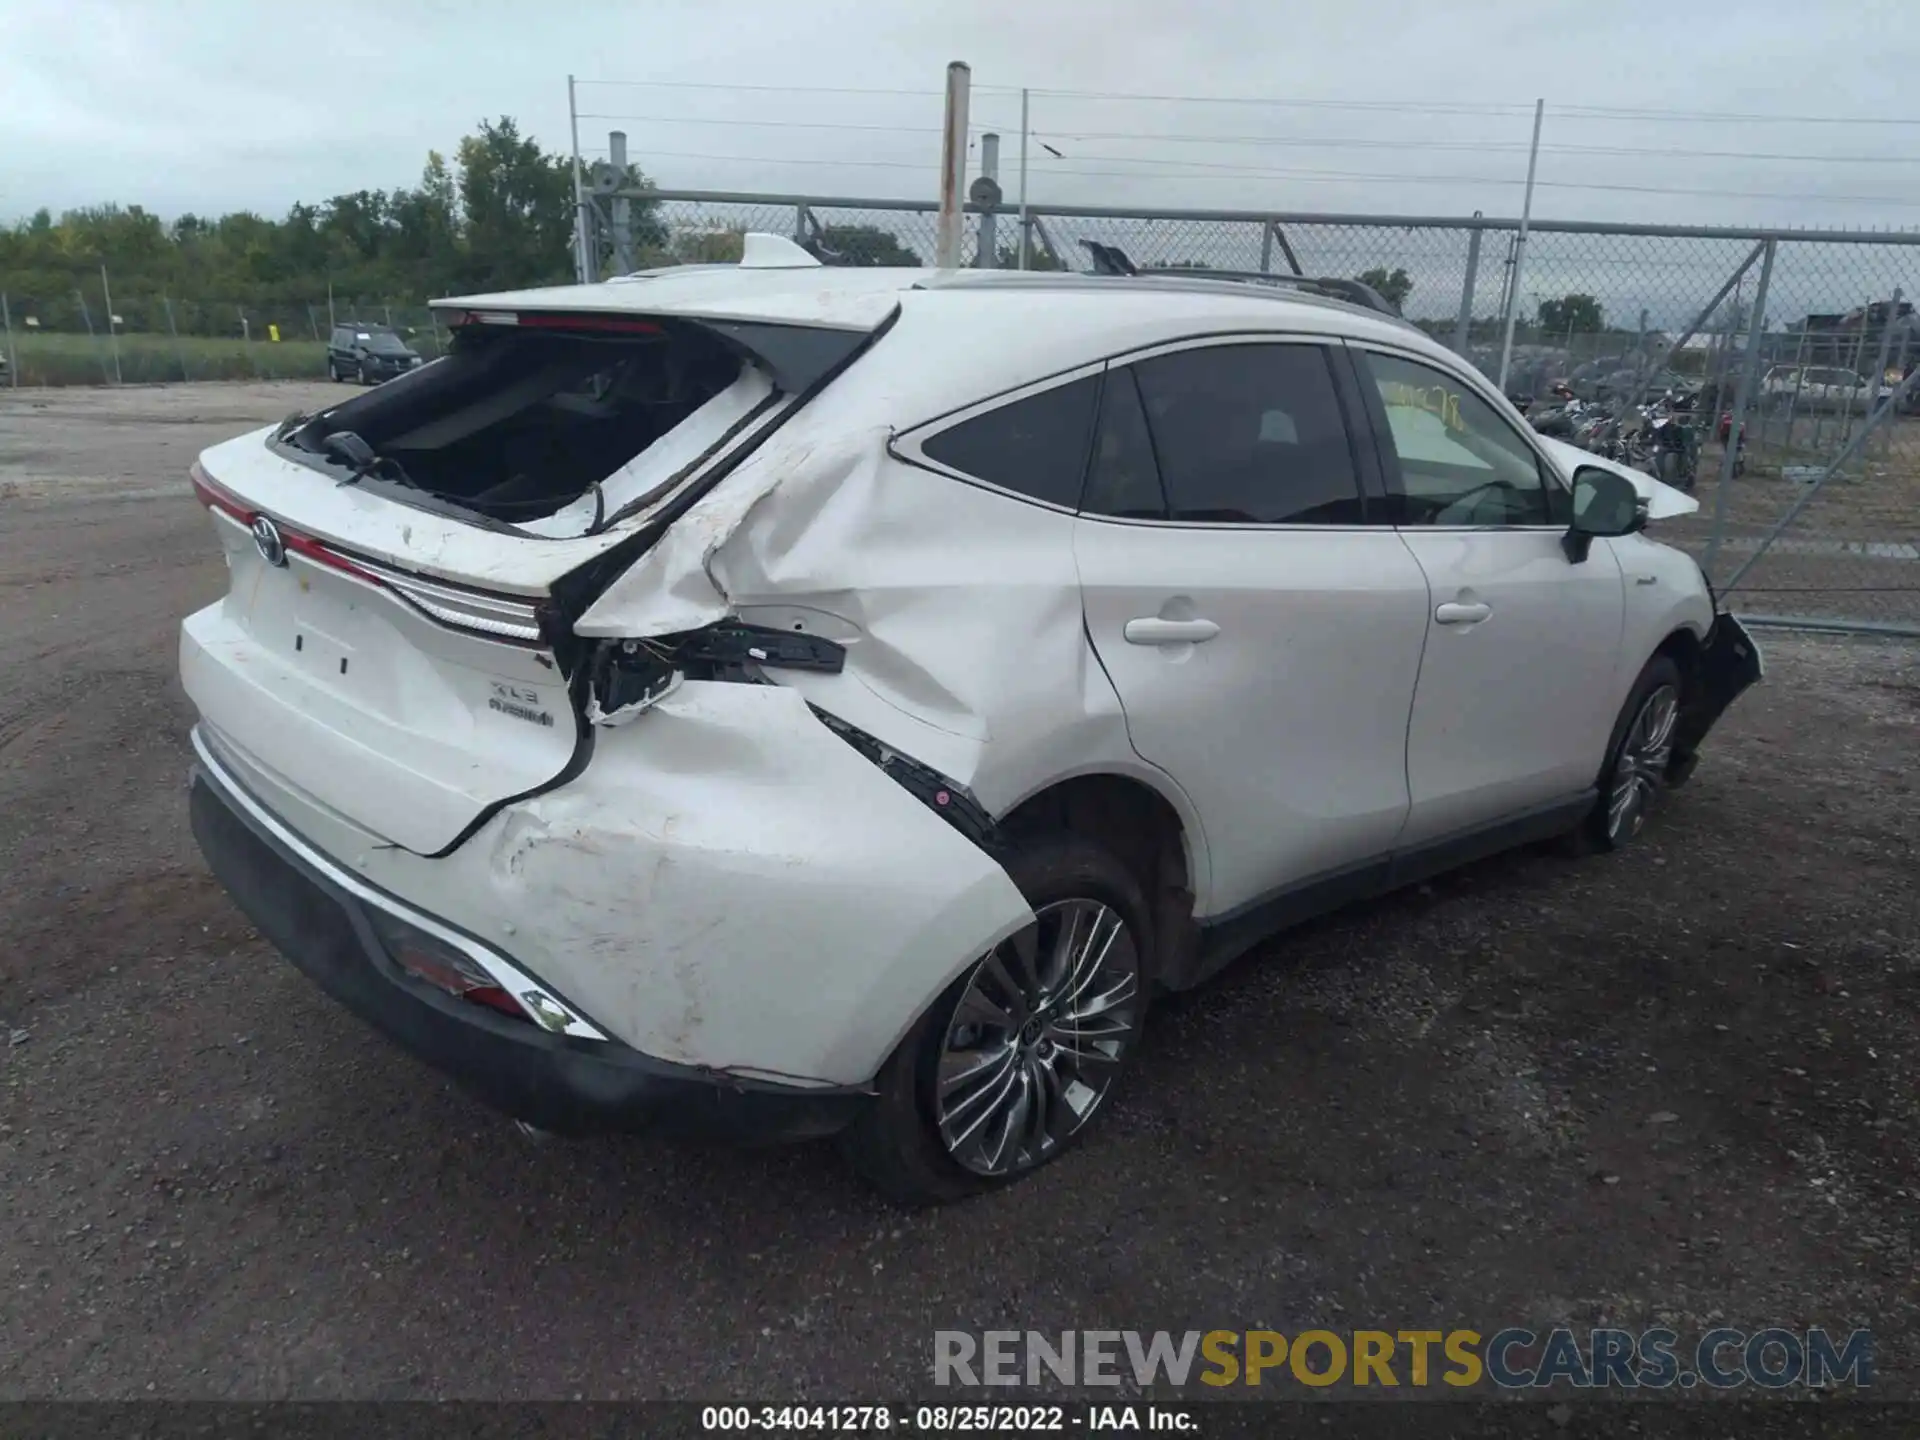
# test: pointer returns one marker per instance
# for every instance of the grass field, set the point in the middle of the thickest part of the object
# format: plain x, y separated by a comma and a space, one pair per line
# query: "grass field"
62, 359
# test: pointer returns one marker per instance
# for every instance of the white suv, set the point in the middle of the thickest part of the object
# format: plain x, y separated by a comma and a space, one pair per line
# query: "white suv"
780, 701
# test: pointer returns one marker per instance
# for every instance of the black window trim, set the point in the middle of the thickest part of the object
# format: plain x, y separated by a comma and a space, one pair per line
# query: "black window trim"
1389, 458
906, 445
1364, 477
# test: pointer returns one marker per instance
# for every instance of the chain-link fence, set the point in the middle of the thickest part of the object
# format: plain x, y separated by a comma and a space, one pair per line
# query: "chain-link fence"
1626, 313
1813, 333
78, 337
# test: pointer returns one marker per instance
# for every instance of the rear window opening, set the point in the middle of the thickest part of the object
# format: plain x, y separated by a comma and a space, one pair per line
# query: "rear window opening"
556, 432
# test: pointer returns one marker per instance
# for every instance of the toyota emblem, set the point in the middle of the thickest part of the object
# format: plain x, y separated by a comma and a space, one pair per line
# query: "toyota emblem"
266, 539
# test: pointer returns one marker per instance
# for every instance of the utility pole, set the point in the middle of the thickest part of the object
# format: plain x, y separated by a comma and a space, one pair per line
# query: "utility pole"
1520, 244
583, 266
953, 166
1026, 223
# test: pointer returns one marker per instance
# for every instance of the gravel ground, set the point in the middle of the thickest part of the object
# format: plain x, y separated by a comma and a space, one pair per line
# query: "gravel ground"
1675, 1085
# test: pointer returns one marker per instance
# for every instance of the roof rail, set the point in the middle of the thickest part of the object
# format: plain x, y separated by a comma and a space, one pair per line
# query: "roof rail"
1111, 260
1334, 287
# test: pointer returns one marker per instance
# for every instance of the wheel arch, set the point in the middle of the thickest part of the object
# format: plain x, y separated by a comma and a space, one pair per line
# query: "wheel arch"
1155, 836
1684, 647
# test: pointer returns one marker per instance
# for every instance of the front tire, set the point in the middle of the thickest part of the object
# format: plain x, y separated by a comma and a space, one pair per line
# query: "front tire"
1639, 759
365, 379
1008, 1067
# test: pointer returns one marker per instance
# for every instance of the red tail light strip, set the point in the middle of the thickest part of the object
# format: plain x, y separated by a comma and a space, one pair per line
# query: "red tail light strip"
498, 617
553, 320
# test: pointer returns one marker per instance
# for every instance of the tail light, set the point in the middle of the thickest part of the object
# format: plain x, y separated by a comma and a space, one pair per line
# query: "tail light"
500, 617
587, 322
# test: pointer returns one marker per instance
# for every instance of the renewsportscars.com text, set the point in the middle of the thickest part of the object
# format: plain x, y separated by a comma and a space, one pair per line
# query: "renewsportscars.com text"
1513, 1358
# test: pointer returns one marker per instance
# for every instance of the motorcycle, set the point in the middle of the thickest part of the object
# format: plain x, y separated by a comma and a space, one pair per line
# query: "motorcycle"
1558, 415
1674, 445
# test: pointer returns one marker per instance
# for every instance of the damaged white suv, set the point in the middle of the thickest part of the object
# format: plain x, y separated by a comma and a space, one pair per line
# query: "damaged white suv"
780, 701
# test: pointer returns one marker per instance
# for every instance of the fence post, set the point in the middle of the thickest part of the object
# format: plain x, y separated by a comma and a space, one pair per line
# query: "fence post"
13, 360
986, 253
1463, 325
113, 329
178, 353
618, 206
1286, 247
1266, 247
313, 323
1743, 393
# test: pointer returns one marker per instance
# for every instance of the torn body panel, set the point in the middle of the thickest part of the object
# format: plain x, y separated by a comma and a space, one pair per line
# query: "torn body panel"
823, 532
738, 889
1728, 665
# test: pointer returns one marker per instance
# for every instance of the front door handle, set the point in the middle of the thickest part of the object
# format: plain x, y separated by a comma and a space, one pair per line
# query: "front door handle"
1461, 612
1152, 630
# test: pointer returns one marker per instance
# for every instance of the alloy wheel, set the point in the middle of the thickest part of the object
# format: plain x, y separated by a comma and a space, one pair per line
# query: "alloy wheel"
1641, 770
1037, 1038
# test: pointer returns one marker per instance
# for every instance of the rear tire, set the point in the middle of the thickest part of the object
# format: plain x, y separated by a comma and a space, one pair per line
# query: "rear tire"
1012, 1063
1639, 758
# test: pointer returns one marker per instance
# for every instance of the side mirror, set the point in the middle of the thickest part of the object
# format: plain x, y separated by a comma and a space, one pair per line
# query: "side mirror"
1603, 504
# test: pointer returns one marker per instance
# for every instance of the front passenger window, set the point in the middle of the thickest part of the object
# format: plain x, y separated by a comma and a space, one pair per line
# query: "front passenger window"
1460, 462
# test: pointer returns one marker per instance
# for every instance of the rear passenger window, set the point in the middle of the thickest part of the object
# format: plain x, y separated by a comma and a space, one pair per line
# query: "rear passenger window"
1035, 447
1250, 435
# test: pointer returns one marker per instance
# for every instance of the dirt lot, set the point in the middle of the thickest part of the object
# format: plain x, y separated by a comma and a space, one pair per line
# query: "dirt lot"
1673, 1085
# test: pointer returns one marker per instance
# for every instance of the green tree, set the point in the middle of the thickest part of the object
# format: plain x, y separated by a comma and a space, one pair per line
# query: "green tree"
1396, 285
709, 247
518, 203
498, 213
1572, 314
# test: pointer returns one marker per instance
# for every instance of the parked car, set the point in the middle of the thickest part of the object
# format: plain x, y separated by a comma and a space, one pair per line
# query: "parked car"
1818, 387
761, 700
368, 353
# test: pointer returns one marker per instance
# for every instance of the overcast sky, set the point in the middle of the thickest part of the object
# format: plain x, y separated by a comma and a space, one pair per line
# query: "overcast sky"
216, 105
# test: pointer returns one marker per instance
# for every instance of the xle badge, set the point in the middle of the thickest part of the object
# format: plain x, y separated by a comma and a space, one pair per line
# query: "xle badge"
519, 701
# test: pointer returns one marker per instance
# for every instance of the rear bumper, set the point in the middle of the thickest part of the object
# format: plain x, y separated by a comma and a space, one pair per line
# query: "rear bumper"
318, 918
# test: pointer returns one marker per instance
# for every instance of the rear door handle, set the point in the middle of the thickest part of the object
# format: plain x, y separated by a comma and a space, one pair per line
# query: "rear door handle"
1460, 612
1152, 630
